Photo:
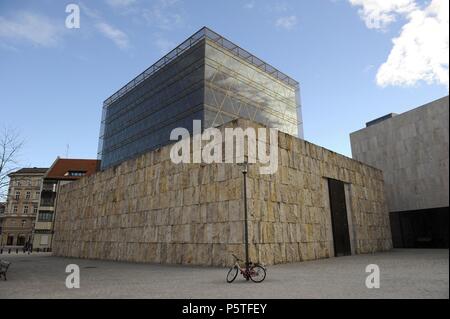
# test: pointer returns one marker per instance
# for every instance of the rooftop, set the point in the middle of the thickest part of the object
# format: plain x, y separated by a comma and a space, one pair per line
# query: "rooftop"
63, 168
30, 170
381, 119
441, 101
203, 33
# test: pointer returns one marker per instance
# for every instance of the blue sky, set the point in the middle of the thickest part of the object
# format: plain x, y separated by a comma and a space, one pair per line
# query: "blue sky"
53, 80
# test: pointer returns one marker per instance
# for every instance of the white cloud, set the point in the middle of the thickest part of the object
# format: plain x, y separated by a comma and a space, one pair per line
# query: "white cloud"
164, 14
120, 3
378, 14
249, 5
8, 47
280, 7
287, 23
30, 27
421, 51
117, 36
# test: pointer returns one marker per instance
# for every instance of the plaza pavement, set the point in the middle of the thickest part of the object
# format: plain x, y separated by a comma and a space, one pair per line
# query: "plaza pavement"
405, 273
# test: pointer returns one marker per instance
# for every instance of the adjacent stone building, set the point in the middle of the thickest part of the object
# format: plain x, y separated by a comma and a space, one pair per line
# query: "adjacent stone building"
318, 204
412, 150
17, 222
2, 211
62, 171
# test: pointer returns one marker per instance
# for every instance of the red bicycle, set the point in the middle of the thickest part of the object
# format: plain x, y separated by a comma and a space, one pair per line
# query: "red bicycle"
254, 272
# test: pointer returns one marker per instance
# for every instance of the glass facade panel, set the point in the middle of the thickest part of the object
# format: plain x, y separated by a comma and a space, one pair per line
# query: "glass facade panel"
235, 88
143, 118
206, 78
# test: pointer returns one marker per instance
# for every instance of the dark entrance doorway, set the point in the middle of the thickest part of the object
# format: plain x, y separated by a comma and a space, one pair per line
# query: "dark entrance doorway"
339, 221
426, 228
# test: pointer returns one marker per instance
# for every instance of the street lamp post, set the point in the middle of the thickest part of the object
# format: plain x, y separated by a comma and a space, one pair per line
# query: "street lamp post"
247, 262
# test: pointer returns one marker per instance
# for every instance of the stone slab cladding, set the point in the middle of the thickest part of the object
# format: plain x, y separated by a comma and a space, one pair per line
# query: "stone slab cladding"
149, 209
412, 150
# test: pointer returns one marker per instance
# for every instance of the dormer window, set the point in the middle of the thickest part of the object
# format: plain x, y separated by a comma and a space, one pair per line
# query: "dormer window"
75, 173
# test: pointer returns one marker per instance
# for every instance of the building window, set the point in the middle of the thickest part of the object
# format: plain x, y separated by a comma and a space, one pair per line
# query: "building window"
28, 195
35, 209
17, 195
21, 240
10, 240
19, 183
25, 210
75, 173
44, 240
45, 216
24, 222
38, 194
15, 209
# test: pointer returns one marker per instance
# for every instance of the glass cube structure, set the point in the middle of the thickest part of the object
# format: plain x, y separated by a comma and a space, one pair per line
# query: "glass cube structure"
205, 78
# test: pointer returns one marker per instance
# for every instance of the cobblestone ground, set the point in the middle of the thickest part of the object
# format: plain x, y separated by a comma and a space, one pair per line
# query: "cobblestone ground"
404, 274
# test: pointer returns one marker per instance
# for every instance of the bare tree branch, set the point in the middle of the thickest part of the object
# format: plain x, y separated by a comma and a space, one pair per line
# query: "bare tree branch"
10, 146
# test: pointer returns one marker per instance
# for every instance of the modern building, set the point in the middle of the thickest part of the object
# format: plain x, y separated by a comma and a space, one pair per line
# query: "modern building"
412, 149
61, 172
17, 222
207, 78
143, 207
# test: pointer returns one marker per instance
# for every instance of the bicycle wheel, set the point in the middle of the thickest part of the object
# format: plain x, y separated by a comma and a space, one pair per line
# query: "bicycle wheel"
232, 274
257, 274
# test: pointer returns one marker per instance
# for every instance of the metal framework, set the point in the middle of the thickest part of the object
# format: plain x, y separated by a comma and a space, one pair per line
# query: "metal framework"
203, 33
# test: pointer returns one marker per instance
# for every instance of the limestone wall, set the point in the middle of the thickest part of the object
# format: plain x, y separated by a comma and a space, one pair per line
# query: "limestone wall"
292, 212
151, 210
412, 150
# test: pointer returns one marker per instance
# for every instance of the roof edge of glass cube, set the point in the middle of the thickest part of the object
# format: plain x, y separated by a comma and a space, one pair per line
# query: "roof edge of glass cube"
203, 33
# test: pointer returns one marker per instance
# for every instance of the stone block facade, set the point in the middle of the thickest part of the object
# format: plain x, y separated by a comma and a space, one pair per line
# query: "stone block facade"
412, 150
149, 209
